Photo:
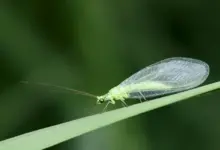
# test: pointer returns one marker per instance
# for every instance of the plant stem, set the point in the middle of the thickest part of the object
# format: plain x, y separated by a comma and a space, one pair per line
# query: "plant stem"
56, 134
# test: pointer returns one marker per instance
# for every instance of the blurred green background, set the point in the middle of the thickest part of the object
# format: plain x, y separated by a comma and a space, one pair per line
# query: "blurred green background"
93, 46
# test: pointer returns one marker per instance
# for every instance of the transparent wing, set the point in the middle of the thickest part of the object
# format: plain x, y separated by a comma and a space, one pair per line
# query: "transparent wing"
165, 77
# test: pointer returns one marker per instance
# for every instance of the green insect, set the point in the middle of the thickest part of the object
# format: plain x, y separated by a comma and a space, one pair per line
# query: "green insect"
164, 77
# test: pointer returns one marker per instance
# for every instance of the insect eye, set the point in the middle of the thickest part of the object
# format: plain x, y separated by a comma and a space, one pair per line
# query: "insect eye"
101, 101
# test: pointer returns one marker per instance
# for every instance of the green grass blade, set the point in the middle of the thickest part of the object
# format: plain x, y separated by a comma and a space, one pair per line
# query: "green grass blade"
53, 135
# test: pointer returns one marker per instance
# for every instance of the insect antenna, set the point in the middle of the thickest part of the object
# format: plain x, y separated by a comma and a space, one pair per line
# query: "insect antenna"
60, 87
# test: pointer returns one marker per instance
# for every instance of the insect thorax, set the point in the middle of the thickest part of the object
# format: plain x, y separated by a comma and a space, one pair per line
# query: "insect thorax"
118, 93
113, 95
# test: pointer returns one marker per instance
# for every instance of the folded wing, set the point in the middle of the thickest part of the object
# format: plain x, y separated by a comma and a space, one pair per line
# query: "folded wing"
165, 77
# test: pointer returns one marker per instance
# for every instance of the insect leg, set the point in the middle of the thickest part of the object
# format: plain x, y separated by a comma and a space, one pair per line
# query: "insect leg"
123, 103
105, 108
140, 100
142, 96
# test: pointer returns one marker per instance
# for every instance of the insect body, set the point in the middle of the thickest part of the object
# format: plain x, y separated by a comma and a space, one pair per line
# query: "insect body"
164, 77
122, 93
